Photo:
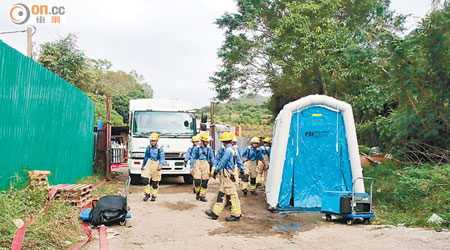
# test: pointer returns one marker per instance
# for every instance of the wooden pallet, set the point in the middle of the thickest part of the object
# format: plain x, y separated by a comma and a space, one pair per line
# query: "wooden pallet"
75, 189
38, 178
77, 194
80, 204
73, 196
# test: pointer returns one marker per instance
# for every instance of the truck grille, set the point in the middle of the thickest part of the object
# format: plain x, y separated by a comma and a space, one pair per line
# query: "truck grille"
173, 155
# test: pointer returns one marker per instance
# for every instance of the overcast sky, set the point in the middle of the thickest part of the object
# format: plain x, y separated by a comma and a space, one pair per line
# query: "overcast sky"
173, 43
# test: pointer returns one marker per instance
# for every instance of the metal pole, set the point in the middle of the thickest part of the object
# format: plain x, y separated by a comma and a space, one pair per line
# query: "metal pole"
212, 127
108, 137
29, 43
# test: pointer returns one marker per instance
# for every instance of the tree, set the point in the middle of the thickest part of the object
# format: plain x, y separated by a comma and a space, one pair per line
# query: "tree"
419, 75
94, 77
296, 48
249, 112
64, 58
100, 110
351, 50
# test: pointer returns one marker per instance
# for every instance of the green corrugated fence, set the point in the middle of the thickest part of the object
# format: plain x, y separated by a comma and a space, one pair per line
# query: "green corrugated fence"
45, 122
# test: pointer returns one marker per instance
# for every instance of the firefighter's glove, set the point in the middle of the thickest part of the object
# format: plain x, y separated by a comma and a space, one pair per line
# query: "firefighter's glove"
213, 172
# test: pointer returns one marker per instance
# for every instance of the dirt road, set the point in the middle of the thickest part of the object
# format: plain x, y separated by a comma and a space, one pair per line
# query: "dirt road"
177, 221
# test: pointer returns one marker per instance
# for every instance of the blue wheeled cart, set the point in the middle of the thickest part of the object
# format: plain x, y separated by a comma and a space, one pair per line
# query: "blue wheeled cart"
348, 205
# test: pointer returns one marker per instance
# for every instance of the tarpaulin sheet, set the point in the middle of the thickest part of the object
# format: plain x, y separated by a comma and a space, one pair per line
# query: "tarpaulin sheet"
316, 159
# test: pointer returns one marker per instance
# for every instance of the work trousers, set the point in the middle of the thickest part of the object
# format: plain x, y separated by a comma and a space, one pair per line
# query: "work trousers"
201, 177
194, 168
251, 174
263, 167
227, 189
152, 170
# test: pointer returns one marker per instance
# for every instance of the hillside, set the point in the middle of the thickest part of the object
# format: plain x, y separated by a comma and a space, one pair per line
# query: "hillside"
250, 112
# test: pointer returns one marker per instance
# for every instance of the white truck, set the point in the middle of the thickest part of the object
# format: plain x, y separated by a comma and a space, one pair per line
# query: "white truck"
175, 122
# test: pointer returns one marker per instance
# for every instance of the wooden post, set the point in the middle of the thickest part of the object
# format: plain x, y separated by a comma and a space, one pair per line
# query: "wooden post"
29, 44
108, 137
212, 127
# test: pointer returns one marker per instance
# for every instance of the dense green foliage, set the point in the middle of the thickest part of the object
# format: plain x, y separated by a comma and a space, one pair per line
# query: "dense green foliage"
351, 50
410, 195
100, 110
251, 113
64, 58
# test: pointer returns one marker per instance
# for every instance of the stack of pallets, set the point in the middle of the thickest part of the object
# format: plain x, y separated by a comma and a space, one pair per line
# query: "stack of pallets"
38, 178
77, 194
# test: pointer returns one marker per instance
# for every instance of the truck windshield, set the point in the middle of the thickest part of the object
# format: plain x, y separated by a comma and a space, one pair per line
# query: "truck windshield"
164, 123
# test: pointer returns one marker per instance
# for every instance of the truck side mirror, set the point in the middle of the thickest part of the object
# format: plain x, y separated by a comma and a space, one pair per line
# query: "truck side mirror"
202, 126
126, 118
204, 118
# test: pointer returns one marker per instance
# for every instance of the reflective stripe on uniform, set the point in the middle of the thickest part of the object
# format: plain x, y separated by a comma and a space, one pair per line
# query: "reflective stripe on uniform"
217, 209
236, 211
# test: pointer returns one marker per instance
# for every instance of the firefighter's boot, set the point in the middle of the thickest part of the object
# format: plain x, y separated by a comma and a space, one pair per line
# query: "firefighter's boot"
232, 218
211, 215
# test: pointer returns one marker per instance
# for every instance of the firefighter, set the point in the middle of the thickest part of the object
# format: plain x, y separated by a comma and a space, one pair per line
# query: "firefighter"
220, 152
226, 171
239, 160
263, 166
234, 143
195, 140
152, 165
203, 157
251, 156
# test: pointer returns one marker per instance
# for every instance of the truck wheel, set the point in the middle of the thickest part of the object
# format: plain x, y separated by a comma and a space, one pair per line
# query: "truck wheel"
188, 179
136, 179
350, 222
328, 217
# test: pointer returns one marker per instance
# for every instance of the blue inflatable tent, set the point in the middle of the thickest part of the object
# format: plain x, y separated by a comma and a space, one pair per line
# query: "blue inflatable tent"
314, 150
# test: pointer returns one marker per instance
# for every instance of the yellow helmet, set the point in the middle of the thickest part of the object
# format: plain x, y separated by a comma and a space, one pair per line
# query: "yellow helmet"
268, 139
254, 140
205, 137
195, 138
235, 137
154, 136
227, 136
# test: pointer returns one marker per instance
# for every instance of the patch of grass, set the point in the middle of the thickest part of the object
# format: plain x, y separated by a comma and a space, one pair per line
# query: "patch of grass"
110, 187
58, 228
411, 194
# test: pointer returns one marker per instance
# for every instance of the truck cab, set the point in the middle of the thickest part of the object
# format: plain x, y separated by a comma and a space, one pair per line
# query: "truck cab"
175, 122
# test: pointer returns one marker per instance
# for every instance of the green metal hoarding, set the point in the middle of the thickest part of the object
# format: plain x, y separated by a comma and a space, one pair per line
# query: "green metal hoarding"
45, 122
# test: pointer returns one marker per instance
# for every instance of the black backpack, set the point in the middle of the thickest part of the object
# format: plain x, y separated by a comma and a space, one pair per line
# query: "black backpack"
110, 209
